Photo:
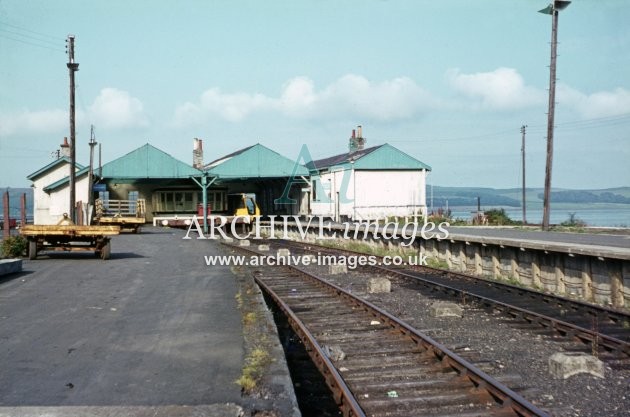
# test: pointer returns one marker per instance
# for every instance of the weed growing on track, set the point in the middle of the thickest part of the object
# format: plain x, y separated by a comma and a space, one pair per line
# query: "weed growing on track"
257, 356
255, 364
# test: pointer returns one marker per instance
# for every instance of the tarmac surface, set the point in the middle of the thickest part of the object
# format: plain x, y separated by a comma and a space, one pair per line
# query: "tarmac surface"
587, 238
152, 331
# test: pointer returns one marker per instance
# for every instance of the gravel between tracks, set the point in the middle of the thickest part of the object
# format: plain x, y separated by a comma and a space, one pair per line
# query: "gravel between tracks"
503, 349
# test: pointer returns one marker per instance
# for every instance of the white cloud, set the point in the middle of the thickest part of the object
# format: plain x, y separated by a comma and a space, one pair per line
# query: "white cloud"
25, 121
117, 109
298, 96
596, 105
111, 109
501, 89
400, 98
350, 95
233, 107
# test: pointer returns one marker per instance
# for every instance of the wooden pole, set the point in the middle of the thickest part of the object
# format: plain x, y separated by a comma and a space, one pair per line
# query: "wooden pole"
550, 119
6, 215
523, 155
72, 68
23, 210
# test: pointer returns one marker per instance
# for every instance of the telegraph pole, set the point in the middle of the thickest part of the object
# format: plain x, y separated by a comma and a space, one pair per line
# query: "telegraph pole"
523, 128
553, 9
72, 68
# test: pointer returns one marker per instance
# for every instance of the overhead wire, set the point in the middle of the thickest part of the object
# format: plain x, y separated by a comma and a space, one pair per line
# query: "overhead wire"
31, 37
33, 32
599, 122
46, 41
31, 43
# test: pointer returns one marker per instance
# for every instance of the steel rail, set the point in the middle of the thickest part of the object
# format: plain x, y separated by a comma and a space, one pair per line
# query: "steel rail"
612, 314
341, 392
482, 382
567, 329
563, 327
480, 379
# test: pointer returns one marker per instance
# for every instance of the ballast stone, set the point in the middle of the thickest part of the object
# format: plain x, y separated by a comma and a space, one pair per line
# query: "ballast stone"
379, 285
563, 365
445, 309
337, 269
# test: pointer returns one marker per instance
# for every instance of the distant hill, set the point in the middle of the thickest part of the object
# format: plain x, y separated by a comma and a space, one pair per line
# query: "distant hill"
14, 201
467, 196
511, 197
579, 196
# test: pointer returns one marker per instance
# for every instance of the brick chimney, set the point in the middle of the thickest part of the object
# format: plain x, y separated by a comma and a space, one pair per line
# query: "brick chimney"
357, 141
65, 149
197, 153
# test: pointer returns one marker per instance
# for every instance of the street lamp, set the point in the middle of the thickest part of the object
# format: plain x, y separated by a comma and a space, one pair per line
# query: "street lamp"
553, 10
354, 190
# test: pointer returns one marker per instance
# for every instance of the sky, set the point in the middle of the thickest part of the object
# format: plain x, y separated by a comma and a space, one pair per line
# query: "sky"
449, 83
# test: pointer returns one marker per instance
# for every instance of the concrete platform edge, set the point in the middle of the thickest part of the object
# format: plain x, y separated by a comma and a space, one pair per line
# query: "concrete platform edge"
10, 266
279, 369
211, 410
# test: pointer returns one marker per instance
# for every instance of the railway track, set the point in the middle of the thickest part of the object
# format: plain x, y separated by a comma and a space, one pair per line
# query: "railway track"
377, 365
597, 326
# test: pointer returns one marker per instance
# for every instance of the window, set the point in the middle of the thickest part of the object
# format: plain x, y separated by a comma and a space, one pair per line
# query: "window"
133, 198
216, 200
174, 201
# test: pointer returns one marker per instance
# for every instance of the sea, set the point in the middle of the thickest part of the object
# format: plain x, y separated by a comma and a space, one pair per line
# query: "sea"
617, 215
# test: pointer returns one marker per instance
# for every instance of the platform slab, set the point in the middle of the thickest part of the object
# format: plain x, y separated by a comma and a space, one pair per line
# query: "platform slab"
10, 266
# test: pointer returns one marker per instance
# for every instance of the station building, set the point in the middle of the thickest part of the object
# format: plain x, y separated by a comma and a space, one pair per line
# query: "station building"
364, 183
368, 183
50, 198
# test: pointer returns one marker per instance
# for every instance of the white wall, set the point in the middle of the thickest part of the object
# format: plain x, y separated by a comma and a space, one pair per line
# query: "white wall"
60, 199
41, 199
370, 194
49, 208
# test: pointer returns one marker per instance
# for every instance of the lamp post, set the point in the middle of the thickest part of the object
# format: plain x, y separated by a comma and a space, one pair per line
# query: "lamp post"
553, 9
354, 191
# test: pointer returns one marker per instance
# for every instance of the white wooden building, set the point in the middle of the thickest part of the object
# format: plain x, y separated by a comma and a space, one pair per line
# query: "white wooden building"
369, 183
51, 191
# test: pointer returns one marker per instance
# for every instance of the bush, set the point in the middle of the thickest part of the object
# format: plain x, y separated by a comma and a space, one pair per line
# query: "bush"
499, 217
573, 221
13, 246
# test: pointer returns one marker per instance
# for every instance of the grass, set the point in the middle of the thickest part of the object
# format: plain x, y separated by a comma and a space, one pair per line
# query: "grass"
437, 263
255, 365
249, 318
257, 344
513, 281
362, 247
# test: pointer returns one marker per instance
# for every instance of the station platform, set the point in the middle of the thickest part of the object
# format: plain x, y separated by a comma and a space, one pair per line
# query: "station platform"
151, 331
602, 244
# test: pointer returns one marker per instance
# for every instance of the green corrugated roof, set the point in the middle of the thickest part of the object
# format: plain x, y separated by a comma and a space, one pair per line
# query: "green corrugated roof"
50, 166
148, 162
66, 180
387, 157
256, 161
382, 157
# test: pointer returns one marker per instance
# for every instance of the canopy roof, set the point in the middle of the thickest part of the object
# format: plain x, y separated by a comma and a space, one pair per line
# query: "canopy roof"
255, 161
382, 157
148, 162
